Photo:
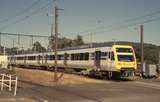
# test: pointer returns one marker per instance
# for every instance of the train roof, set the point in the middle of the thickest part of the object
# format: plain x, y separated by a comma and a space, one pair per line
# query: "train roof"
84, 48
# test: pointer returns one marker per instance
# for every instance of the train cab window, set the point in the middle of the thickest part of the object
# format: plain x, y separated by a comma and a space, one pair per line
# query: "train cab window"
129, 50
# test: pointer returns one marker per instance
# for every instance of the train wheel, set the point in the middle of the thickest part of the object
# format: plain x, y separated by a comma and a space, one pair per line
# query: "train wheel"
109, 74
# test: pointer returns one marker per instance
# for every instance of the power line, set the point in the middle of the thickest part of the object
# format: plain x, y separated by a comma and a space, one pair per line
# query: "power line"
118, 23
126, 26
20, 13
26, 17
18, 35
121, 27
29, 35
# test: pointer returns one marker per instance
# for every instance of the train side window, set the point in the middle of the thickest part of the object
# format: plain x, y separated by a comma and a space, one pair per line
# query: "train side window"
66, 56
103, 55
81, 56
60, 57
46, 58
72, 56
77, 56
20, 58
51, 57
31, 57
86, 56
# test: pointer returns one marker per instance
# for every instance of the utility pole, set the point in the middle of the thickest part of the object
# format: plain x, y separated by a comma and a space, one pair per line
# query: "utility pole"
114, 41
51, 30
159, 64
13, 43
31, 40
56, 44
91, 42
0, 42
142, 56
4, 51
56, 41
0, 39
19, 39
51, 43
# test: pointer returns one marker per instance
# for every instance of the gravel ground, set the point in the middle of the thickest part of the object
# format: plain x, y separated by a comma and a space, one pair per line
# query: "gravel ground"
81, 89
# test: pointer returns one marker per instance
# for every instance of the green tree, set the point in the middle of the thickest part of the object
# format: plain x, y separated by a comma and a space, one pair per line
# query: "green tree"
37, 47
78, 41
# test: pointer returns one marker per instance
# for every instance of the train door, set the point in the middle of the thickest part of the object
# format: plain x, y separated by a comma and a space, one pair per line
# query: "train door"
110, 60
42, 58
25, 58
46, 57
65, 59
38, 59
97, 59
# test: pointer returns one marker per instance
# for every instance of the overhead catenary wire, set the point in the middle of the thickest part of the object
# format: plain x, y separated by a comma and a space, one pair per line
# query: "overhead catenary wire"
123, 26
133, 24
26, 17
117, 23
21, 12
15, 38
20, 34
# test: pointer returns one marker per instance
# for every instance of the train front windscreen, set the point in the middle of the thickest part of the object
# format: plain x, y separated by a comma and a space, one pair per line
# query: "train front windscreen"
125, 54
125, 58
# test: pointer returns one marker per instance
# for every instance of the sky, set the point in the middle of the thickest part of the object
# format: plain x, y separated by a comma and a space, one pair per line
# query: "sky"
95, 20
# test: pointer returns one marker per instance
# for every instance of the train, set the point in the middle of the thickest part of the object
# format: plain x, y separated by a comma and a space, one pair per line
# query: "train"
107, 61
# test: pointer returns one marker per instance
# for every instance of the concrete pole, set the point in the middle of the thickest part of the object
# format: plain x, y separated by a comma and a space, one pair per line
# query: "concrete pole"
91, 42
0, 39
142, 52
56, 44
159, 64
56, 41
4, 51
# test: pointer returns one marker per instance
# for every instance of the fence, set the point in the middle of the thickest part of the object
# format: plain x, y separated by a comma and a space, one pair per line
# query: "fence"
9, 81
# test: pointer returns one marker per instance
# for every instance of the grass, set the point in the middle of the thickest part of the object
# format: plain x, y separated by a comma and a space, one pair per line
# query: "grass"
46, 78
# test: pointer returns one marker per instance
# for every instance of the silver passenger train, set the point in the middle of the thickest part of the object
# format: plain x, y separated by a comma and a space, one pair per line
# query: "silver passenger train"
107, 61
